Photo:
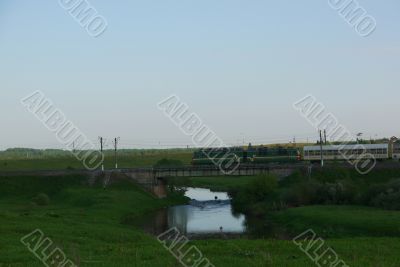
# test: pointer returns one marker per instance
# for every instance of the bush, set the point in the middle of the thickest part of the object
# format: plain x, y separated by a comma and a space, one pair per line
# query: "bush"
314, 192
388, 197
252, 197
389, 200
332, 186
41, 199
261, 188
303, 193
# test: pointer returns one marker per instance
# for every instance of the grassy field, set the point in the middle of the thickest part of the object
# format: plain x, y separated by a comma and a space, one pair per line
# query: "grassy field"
356, 252
146, 159
340, 221
94, 226
86, 222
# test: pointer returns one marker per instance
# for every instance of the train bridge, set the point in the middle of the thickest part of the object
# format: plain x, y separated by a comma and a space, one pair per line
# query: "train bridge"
155, 179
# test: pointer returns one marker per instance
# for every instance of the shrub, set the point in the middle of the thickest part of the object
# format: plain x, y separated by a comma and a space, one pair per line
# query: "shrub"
389, 200
262, 187
388, 197
41, 199
313, 192
253, 197
303, 193
332, 186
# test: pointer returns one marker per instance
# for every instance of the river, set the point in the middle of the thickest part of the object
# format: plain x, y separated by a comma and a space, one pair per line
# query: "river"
208, 214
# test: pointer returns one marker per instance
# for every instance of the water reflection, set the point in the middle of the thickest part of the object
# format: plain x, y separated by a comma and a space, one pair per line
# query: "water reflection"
209, 213
212, 218
203, 194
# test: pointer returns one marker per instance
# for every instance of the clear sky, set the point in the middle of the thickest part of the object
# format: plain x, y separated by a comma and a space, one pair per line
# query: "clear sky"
238, 64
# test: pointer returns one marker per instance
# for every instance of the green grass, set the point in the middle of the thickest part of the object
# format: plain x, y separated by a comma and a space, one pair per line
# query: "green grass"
356, 252
62, 163
86, 223
340, 221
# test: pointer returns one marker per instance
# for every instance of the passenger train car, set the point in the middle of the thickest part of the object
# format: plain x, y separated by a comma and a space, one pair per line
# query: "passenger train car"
343, 152
396, 151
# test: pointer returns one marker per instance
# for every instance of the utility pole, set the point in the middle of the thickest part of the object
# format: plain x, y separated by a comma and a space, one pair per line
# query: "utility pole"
101, 150
325, 135
115, 151
320, 144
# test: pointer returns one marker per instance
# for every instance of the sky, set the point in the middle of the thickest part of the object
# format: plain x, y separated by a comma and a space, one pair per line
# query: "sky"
239, 65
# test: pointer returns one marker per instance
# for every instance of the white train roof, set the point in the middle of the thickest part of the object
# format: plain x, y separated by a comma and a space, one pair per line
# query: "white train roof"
353, 146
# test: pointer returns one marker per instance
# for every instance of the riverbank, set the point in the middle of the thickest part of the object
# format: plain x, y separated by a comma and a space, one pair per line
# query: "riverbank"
92, 225
339, 221
356, 252
89, 223
360, 235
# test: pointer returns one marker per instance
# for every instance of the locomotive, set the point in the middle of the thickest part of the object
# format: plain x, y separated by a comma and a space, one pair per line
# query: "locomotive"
250, 154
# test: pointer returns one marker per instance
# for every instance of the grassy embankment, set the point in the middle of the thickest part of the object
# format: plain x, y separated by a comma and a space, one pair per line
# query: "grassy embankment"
340, 221
86, 223
362, 236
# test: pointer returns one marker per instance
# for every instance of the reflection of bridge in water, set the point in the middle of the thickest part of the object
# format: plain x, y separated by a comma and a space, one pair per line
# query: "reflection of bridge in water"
208, 214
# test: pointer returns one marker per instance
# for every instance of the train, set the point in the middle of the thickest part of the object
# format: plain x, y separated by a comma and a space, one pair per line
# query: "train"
280, 154
250, 154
